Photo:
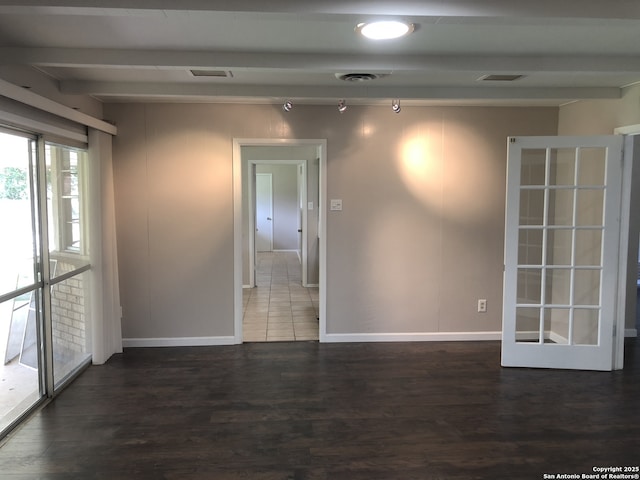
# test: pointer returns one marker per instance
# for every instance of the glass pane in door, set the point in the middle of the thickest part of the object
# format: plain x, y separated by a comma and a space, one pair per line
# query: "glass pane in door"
19, 287
17, 252
585, 326
530, 246
556, 325
590, 207
592, 166
19, 367
531, 207
533, 166
528, 324
562, 166
588, 247
559, 247
560, 210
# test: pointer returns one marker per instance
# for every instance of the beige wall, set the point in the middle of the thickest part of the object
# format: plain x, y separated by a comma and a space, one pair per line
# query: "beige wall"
419, 239
601, 117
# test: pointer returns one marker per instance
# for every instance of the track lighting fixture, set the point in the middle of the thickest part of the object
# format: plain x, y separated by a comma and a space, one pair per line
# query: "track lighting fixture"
342, 106
287, 106
395, 105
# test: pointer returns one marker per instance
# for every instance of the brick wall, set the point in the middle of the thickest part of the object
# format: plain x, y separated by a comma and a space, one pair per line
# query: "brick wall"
68, 312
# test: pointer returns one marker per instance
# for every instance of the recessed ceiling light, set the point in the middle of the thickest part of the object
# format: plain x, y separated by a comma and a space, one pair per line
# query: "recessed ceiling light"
385, 30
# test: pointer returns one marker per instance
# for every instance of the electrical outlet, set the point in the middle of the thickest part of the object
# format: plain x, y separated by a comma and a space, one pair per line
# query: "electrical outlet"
482, 305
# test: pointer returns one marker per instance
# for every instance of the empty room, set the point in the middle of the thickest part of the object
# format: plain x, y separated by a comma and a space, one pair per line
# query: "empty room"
323, 241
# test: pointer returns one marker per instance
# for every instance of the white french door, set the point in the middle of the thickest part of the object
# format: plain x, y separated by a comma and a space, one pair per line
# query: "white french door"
562, 239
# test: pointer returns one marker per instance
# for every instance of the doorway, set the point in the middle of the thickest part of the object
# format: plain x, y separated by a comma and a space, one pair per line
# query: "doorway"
278, 213
280, 305
264, 213
307, 252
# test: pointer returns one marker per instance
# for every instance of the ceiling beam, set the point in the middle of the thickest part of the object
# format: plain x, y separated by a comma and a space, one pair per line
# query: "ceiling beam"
333, 63
609, 9
105, 89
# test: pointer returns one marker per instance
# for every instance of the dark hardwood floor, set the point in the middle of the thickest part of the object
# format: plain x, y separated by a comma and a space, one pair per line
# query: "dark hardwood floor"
308, 411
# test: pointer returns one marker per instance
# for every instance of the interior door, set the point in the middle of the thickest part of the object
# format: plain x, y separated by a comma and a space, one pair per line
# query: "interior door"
264, 212
562, 238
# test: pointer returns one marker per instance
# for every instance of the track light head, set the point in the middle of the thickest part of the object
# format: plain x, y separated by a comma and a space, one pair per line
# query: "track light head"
395, 106
287, 106
342, 106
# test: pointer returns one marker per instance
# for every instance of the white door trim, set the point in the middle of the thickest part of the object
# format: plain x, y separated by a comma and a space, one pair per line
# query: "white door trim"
238, 143
629, 154
252, 226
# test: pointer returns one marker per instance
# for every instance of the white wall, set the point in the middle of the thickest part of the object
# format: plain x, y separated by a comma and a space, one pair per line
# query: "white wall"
419, 240
600, 117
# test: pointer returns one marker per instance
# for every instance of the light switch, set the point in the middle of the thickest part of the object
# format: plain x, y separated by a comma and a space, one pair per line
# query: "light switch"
336, 204
310, 206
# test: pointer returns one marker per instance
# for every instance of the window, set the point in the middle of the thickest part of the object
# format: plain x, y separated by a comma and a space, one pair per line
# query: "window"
65, 178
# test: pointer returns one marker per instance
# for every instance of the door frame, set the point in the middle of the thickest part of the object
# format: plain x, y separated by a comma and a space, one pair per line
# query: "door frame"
631, 186
321, 149
252, 214
628, 235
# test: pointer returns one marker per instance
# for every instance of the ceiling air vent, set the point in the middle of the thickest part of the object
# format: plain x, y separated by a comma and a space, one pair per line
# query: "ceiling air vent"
500, 78
211, 73
358, 77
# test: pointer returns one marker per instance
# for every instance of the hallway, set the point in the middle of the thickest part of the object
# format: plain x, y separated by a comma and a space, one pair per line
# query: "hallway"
279, 308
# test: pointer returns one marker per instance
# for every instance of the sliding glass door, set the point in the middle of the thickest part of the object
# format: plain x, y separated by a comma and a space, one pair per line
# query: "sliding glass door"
44, 264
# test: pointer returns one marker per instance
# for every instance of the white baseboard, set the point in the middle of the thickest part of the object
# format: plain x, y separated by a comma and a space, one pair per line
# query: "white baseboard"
284, 250
411, 337
311, 285
247, 286
178, 342
333, 338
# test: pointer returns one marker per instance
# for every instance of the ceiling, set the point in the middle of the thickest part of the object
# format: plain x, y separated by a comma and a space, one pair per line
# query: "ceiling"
145, 50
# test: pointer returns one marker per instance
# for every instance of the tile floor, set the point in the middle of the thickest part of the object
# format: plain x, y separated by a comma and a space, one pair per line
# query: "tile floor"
279, 308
